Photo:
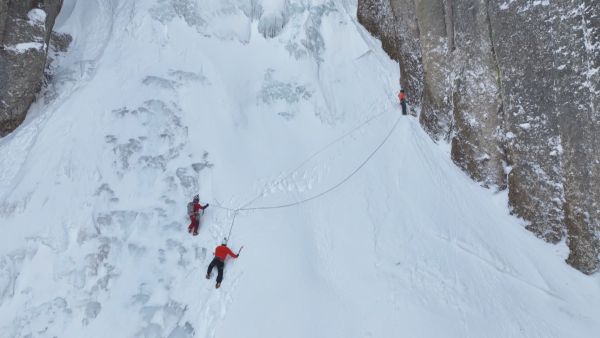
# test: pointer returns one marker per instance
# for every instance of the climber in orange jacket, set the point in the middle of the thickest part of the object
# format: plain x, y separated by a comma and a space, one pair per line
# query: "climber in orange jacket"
402, 98
221, 253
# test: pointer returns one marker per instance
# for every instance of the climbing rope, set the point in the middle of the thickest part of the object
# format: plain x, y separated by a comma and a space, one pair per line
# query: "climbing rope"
235, 212
316, 153
334, 187
356, 170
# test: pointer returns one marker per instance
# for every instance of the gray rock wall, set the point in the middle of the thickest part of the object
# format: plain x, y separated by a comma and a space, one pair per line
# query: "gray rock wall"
24, 40
524, 53
394, 23
477, 114
437, 90
577, 77
514, 86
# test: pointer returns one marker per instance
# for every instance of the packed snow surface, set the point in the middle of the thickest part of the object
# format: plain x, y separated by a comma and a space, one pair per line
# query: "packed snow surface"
157, 100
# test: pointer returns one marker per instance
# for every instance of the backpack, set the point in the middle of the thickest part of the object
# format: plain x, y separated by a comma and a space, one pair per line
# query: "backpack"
190, 209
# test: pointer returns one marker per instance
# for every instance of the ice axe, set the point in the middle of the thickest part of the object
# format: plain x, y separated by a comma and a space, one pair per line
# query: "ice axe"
240, 251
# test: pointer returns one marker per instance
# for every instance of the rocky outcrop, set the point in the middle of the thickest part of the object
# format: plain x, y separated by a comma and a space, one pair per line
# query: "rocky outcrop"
399, 34
514, 86
25, 32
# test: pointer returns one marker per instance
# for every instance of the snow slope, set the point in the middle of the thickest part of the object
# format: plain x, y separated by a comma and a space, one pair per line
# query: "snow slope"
160, 99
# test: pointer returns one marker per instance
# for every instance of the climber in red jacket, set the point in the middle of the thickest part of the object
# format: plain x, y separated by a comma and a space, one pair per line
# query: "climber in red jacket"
193, 209
402, 98
221, 253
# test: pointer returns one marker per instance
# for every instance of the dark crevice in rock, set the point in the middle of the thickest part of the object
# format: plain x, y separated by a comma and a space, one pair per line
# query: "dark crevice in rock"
449, 14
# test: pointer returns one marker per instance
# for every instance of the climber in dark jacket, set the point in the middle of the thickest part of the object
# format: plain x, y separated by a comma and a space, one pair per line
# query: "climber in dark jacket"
402, 98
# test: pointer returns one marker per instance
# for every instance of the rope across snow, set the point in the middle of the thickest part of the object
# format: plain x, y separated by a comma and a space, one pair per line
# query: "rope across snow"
245, 207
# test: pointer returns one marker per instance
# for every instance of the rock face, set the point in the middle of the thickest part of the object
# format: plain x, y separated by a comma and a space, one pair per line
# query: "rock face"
25, 32
515, 87
399, 35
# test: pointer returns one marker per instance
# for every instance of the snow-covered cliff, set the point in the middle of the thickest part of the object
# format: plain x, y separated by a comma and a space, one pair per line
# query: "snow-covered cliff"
513, 85
25, 36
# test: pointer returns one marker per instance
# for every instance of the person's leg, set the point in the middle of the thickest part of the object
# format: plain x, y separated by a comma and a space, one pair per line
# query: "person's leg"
196, 225
211, 266
191, 226
220, 266
403, 108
